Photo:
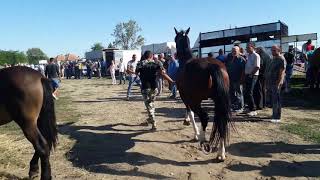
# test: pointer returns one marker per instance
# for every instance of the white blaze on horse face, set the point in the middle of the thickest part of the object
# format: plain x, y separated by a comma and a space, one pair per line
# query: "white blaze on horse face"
194, 125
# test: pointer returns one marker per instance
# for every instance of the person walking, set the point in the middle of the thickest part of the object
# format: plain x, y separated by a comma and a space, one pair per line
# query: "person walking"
147, 69
52, 73
276, 77
112, 69
251, 75
122, 70
133, 78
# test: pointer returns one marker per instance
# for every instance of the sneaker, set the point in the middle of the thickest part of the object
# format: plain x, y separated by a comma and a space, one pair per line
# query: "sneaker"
54, 96
239, 110
154, 126
275, 120
128, 98
172, 97
252, 113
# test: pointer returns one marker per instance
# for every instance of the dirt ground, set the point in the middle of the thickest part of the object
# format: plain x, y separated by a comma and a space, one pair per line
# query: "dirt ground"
101, 138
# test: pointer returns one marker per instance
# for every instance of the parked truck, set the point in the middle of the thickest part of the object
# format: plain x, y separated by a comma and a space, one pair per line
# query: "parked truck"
117, 54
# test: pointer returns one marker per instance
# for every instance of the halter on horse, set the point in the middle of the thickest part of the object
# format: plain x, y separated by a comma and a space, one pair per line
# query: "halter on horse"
26, 98
200, 79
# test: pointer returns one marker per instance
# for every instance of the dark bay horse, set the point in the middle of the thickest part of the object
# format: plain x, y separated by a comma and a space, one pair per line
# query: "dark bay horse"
314, 61
200, 79
26, 98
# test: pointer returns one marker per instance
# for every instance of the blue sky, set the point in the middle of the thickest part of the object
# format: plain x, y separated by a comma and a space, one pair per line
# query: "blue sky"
69, 26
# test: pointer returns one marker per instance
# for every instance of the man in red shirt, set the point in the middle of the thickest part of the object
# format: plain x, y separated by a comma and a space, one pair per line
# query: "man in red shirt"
307, 46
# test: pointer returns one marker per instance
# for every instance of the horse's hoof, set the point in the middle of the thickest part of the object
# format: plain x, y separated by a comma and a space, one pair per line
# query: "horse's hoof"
220, 158
33, 175
205, 148
196, 137
186, 123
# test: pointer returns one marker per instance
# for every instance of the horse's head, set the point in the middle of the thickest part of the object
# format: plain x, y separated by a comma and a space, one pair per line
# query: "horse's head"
182, 43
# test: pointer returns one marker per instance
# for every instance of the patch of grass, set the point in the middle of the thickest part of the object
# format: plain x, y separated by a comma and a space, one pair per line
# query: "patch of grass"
65, 111
300, 95
303, 130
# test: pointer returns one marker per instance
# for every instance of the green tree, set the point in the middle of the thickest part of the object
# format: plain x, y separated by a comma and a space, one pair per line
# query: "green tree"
12, 57
35, 54
127, 35
97, 47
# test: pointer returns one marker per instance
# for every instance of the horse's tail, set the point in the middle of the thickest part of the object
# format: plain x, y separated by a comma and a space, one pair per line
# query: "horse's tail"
222, 103
47, 118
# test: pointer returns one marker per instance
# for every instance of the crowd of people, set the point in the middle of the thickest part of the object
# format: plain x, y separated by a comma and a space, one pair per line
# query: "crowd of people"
256, 78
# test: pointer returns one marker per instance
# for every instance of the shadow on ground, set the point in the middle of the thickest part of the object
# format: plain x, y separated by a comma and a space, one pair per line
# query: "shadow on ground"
276, 167
96, 151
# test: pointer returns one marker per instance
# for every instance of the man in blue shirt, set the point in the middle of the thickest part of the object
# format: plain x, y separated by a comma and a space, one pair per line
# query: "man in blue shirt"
172, 72
221, 56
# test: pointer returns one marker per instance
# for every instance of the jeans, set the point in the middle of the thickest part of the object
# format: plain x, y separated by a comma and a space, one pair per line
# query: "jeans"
113, 77
276, 103
159, 84
174, 90
89, 73
236, 95
122, 77
131, 81
250, 83
259, 92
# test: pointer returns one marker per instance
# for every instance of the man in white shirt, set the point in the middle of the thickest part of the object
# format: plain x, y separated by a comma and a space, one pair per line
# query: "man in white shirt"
122, 70
251, 71
133, 78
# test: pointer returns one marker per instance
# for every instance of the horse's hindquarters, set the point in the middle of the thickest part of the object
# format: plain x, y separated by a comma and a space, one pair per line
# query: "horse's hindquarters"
4, 115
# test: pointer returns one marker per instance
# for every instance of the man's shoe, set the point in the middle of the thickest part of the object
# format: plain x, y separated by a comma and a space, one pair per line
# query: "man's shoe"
54, 96
172, 97
275, 120
239, 110
154, 126
252, 113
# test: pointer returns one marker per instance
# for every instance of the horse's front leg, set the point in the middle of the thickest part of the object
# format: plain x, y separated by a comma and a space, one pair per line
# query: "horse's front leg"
222, 151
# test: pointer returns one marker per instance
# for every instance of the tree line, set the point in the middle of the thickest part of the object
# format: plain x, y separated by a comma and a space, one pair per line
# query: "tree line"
32, 56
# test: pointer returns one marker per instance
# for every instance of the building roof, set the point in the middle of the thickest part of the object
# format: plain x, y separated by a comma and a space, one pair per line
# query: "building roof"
67, 57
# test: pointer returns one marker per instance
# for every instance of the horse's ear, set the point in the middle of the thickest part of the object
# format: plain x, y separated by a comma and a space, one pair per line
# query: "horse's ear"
175, 30
187, 32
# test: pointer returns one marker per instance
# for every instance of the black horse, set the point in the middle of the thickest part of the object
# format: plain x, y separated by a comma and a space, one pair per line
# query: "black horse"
26, 98
200, 79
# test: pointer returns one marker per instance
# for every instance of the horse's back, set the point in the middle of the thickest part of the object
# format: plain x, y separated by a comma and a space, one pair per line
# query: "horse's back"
21, 89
